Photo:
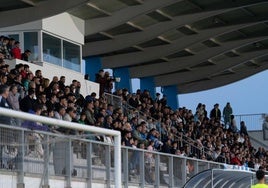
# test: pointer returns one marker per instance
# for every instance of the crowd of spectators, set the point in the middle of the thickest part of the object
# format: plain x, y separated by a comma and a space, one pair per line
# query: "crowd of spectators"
10, 49
179, 131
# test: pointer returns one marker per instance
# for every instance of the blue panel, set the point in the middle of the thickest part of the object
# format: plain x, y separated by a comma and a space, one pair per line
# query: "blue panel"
93, 65
172, 96
148, 84
123, 74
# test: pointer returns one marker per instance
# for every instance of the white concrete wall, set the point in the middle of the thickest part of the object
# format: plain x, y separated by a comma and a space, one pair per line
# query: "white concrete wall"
63, 25
66, 26
49, 70
9, 180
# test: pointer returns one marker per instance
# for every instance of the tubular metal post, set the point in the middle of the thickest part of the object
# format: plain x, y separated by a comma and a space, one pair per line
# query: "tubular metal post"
142, 173
20, 161
117, 160
157, 170
68, 163
125, 167
89, 164
184, 172
108, 165
46, 162
171, 173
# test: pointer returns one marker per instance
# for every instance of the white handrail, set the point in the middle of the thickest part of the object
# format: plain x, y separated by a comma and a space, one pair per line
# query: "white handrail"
76, 126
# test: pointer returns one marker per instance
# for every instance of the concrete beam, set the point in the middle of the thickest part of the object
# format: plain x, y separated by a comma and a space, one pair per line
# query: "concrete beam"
122, 16
187, 62
161, 51
205, 72
220, 81
131, 39
41, 10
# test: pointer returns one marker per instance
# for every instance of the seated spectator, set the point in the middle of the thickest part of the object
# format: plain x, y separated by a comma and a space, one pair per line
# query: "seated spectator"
4, 48
28, 102
13, 98
25, 56
35, 139
89, 111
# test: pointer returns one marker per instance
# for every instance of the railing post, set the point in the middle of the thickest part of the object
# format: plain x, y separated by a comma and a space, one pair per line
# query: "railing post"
20, 162
142, 172
89, 164
184, 171
125, 167
171, 173
157, 170
196, 170
108, 164
68, 163
46, 163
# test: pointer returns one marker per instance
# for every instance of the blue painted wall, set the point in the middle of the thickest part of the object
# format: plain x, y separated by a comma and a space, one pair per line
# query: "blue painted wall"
125, 81
149, 84
92, 67
172, 96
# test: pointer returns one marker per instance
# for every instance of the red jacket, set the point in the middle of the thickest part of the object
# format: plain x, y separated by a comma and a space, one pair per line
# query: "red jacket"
16, 52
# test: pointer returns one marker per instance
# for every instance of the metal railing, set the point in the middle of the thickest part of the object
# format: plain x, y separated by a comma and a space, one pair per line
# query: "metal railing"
47, 155
252, 121
115, 100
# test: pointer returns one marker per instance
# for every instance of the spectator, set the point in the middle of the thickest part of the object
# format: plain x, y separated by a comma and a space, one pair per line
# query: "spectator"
233, 126
243, 128
215, 113
62, 83
4, 48
227, 112
27, 103
13, 98
4, 93
89, 111
16, 51
25, 56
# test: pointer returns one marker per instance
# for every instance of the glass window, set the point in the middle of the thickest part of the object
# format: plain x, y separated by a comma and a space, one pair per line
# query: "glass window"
71, 56
31, 43
52, 49
14, 36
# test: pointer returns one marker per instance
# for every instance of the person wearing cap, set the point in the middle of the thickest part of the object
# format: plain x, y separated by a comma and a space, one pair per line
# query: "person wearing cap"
260, 175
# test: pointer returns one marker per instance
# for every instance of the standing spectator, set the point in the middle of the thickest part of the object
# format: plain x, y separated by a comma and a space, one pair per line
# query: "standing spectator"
16, 51
215, 113
227, 112
101, 80
243, 128
233, 126
25, 56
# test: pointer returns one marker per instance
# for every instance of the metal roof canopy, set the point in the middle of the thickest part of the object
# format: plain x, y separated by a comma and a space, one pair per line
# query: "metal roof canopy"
195, 45
220, 178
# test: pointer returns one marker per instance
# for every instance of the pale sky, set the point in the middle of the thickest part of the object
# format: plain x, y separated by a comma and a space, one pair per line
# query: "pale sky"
248, 96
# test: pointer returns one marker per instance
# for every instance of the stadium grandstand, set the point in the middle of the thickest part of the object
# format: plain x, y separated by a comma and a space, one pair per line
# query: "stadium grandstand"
67, 122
